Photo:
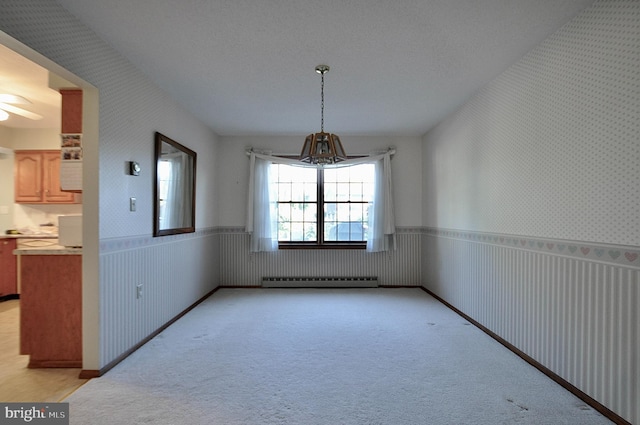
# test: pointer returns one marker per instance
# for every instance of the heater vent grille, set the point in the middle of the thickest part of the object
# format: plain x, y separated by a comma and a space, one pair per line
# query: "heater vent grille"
320, 282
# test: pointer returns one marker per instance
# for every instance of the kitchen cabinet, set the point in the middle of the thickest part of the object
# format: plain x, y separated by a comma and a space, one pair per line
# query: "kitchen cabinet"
8, 269
37, 178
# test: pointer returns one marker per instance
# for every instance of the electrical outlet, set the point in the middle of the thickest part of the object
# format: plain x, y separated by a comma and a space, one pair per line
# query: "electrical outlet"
132, 204
139, 290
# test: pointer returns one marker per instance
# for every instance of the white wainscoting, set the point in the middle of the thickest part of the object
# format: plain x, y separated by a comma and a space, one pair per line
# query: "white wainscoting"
175, 272
239, 267
575, 310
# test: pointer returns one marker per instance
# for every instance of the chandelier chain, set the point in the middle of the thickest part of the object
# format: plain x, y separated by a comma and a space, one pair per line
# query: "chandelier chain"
322, 103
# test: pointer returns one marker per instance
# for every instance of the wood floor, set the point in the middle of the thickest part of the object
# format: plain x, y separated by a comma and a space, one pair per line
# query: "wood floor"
17, 382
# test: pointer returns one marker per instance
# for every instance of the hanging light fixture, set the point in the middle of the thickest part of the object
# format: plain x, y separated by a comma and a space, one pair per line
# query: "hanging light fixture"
322, 148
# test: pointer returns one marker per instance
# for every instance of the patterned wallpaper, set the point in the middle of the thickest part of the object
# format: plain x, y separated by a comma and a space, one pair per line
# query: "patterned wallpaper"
550, 148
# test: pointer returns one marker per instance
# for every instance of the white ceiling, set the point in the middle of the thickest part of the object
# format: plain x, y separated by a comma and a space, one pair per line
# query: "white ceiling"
397, 66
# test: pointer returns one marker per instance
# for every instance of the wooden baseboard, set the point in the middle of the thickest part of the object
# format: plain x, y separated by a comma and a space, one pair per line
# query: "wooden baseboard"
92, 373
89, 374
610, 414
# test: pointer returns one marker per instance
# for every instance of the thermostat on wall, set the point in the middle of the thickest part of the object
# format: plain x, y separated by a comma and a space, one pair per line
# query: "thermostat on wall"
134, 168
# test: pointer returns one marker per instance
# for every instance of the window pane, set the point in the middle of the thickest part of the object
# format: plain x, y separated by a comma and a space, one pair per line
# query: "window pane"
310, 213
345, 231
297, 211
330, 231
329, 175
297, 231
284, 231
310, 231
367, 191
284, 192
311, 192
342, 191
305, 174
297, 191
285, 173
284, 212
356, 231
343, 212
355, 191
356, 212
330, 211
342, 173
330, 192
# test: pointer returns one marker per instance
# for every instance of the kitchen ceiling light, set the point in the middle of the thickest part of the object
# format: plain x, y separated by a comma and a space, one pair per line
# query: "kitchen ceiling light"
322, 148
3, 115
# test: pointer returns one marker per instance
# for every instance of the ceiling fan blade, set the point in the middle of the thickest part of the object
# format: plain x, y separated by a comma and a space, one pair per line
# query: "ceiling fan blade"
20, 111
14, 99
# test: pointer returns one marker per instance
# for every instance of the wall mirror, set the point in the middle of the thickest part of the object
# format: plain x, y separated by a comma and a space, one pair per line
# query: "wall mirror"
175, 188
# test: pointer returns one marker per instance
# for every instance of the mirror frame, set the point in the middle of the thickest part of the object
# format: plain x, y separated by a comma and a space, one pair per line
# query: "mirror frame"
160, 139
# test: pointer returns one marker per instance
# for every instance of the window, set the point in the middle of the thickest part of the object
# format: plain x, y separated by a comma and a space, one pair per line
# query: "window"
323, 206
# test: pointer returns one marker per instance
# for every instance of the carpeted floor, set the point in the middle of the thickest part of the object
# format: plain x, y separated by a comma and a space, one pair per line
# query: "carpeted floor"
325, 356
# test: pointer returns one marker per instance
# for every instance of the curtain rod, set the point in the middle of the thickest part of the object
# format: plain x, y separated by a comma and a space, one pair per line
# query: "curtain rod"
248, 151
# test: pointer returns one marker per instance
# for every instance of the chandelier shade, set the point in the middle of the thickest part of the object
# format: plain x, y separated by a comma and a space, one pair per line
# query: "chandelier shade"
322, 148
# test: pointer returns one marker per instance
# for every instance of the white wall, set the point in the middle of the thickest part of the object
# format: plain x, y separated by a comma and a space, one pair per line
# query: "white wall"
233, 171
530, 200
33, 138
6, 193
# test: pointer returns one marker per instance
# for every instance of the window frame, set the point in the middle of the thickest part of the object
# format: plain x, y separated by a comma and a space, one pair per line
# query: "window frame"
320, 243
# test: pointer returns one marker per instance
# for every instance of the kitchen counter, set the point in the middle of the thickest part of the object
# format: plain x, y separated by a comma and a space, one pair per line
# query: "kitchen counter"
50, 279
31, 236
48, 250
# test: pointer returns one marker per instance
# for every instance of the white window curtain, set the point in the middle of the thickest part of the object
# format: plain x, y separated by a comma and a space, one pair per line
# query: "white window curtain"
382, 228
262, 222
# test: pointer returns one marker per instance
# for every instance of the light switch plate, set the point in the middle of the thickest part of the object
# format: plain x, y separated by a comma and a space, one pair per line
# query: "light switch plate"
132, 204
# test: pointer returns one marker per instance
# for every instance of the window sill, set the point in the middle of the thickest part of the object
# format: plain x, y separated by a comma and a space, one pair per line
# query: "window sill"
313, 245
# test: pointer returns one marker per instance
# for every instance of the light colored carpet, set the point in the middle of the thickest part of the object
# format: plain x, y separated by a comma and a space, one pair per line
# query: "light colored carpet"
325, 356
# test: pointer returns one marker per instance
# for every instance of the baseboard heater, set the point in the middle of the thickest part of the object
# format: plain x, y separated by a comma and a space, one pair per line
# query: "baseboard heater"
320, 282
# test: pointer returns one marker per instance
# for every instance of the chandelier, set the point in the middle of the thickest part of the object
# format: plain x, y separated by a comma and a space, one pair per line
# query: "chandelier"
322, 148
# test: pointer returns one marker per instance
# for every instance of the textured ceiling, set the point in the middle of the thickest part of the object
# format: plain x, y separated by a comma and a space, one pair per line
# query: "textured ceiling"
397, 67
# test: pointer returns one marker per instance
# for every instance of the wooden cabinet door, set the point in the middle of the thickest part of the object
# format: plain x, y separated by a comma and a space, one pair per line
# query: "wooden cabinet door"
8, 272
51, 179
28, 177
37, 178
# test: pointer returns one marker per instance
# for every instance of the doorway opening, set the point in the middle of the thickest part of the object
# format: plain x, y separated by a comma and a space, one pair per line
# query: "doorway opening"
43, 134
